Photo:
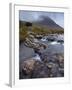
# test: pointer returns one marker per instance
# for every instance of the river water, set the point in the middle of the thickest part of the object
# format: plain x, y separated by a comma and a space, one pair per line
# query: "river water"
53, 47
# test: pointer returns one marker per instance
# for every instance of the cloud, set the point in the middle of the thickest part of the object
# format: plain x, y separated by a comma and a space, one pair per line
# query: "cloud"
31, 16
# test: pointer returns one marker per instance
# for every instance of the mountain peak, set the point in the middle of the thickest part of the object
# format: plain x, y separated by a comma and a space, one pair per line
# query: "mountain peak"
48, 22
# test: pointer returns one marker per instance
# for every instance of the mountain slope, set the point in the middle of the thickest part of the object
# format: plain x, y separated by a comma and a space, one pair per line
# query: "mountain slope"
48, 22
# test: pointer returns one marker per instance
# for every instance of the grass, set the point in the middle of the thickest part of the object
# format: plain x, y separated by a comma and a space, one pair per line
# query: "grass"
23, 34
46, 31
36, 30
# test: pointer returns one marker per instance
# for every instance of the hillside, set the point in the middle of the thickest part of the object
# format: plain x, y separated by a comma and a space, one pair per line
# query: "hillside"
43, 27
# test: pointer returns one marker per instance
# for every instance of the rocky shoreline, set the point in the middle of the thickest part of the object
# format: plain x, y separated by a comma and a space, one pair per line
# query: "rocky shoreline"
50, 65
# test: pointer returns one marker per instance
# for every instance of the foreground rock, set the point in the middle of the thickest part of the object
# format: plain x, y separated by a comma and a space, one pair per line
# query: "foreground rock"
55, 63
33, 69
50, 66
26, 68
40, 70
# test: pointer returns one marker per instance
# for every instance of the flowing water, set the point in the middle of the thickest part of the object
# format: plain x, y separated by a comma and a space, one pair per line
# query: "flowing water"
53, 47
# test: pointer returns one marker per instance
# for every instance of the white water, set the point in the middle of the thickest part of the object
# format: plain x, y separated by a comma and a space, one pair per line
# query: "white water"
43, 39
36, 57
60, 37
55, 42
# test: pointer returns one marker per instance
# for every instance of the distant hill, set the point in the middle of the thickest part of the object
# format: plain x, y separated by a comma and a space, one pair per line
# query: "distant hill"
48, 22
45, 22
42, 27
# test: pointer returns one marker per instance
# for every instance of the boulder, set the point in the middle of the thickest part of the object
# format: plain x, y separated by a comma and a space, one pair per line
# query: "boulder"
34, 43
33, 69
26, 68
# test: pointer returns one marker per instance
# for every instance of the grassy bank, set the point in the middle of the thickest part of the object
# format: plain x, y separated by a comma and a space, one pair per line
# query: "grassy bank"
24, 30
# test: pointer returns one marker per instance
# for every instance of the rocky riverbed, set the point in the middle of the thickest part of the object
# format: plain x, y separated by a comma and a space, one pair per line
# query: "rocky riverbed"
42, 58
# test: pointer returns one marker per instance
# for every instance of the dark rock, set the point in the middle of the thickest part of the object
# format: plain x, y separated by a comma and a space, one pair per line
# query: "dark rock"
37, 51
40, 70
60, 41
61, 65
28, 24
51, 38
38, 36
61, 70
54, 70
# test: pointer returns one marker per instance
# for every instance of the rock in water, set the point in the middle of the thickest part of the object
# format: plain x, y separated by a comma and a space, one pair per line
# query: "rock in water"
34, 43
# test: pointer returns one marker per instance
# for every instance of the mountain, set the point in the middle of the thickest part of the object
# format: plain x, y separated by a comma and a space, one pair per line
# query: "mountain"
48, 23
43, 22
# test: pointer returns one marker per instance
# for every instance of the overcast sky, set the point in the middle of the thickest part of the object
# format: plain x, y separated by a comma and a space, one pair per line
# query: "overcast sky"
31, 16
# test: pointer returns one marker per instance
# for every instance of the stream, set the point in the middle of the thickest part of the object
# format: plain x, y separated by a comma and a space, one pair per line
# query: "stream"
55, 46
